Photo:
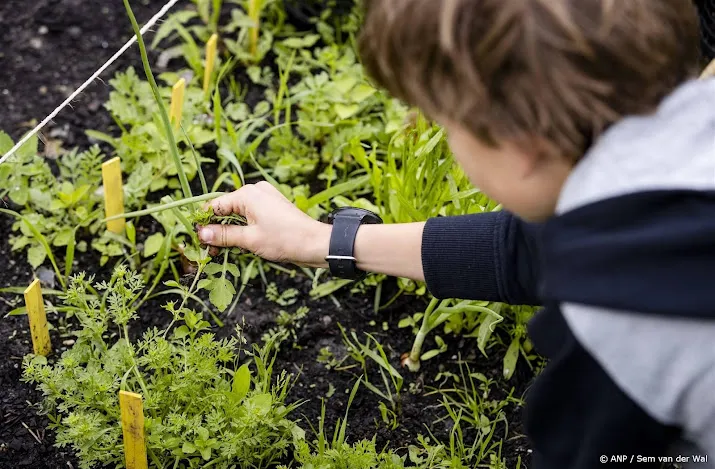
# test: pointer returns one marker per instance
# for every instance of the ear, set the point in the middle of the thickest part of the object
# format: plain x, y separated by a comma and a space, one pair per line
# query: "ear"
530, 154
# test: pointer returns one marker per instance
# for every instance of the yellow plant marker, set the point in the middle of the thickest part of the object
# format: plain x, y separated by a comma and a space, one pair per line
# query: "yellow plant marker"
38, 320
177, 103
113, 194
132, 411
253, 6
210, 60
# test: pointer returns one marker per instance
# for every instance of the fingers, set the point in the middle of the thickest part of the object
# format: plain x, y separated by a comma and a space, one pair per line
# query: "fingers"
235, 202
227, 236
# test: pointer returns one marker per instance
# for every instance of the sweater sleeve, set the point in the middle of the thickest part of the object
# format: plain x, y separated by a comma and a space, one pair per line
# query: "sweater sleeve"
487, 256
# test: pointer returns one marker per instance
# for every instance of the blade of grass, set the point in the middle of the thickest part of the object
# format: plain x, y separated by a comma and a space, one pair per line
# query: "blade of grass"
69, 254
215, 15
162, 108
162, 207
196, 160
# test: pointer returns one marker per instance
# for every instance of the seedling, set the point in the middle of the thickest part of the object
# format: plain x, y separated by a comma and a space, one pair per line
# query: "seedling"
38, 320
436, 314
113, 194
392, 381
132, 412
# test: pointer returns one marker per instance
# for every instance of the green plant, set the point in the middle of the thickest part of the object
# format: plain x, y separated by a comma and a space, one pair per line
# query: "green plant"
286, 325
436, 314
255, 36
169, 133
337, 453
471, 408
391, 379
199, 411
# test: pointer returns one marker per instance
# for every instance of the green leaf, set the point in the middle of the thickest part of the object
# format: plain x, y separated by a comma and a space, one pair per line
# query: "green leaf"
19, 195
406, 322
301, 42
233, 268
206, 453
345, 111
325, 289
222, 292
36, 256
241, 383
64, 237
153, 244
430, 354
262, 402
361, 92
512, 355
485, 332
181, 332
344, 83
327, 194
192, 254
213, 268
131, 232
100, 136
188, 448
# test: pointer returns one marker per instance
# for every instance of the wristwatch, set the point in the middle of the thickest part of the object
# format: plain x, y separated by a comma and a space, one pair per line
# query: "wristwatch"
341, 256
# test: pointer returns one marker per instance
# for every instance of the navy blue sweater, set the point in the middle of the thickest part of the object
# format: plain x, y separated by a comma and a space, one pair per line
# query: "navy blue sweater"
624, 272
487, 256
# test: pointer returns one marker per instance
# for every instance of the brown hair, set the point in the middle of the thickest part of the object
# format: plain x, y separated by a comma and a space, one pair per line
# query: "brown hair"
559, 70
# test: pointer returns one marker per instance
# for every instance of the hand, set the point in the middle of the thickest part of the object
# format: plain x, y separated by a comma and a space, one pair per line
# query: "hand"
276, 229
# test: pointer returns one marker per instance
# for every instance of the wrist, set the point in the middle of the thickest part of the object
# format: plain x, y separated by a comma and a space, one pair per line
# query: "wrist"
318, 239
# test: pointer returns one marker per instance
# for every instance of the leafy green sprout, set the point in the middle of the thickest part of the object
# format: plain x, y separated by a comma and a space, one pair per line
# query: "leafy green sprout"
392, 380
470, 402
436, 314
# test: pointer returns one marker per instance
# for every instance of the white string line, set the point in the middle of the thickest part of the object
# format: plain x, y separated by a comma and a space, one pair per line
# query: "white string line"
84, 85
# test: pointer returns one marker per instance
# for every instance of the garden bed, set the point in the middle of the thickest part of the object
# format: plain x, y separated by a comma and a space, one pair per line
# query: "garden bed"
48, 49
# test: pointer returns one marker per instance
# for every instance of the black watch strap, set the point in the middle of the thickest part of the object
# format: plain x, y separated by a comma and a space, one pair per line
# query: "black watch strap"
341, 257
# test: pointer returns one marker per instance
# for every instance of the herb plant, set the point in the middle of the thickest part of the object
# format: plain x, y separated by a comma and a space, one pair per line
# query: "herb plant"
202, 409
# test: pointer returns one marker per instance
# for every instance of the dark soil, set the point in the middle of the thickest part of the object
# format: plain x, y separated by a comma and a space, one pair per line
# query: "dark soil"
47, 49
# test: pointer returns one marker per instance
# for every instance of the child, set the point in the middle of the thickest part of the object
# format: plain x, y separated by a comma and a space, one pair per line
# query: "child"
582, 117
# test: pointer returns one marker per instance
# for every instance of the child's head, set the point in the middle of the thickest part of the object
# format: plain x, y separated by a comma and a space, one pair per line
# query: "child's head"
523, 87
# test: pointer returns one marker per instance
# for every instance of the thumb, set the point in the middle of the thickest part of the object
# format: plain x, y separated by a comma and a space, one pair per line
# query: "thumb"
226, 236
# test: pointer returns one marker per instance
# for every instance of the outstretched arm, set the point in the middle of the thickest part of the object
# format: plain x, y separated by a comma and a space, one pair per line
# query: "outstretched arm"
486, 256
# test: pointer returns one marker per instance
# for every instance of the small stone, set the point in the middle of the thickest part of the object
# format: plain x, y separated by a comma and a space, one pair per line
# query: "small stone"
43, 89
43, 30
75, 31
105, 44
327, 320
68, 342
36, 43
46, 276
